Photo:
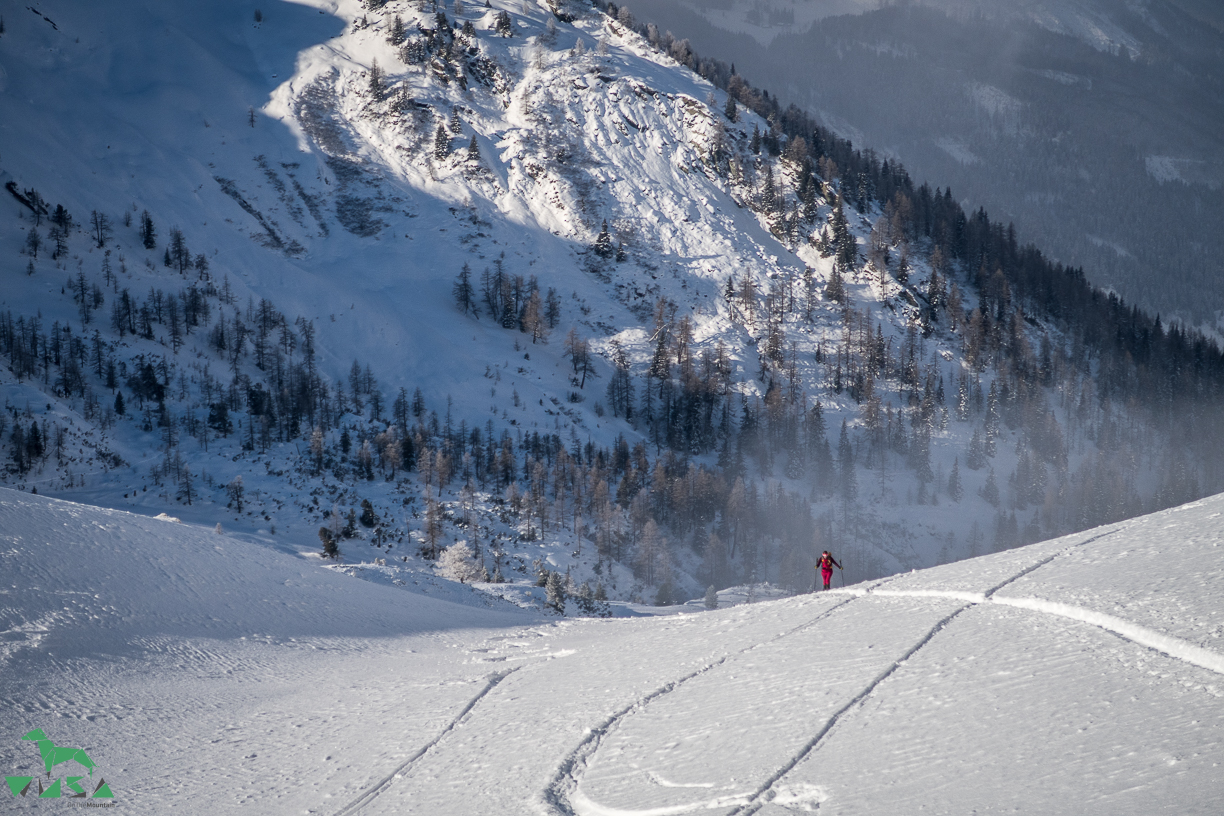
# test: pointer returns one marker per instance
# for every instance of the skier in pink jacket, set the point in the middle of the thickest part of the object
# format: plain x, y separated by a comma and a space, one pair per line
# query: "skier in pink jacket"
826, 564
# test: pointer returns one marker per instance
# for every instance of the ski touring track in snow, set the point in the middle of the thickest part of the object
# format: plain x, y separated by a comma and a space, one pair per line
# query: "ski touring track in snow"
371, 793
1169, 645
766, 791
558, 796
563, 798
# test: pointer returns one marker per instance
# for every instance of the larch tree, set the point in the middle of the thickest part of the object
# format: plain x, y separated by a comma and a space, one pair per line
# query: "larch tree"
465, 294
100, 225
533, 319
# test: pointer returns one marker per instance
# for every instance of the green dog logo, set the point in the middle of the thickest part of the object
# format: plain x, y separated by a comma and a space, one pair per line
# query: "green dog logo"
53, 755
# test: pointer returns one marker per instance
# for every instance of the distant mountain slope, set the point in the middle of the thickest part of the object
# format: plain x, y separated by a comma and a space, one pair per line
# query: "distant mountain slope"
1094, 126
1078, 676
382, 281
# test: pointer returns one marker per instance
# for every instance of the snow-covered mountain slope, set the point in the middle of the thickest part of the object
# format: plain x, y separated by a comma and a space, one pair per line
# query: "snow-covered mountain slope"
330, 256
1078, 676
1093, 124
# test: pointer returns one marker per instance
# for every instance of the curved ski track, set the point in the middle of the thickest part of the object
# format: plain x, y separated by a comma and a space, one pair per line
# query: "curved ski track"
557, 795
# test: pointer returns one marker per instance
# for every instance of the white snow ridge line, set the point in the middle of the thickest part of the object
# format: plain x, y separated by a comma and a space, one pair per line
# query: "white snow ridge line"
1172, 646
1167, 644
372, 793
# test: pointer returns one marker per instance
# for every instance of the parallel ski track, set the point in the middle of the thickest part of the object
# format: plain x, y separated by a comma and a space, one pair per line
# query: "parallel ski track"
568, 774
758, 797
1154, 640
556, 797
371, 793
990, 592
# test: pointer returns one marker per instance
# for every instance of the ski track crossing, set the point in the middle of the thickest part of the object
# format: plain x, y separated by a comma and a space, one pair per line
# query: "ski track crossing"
563, 798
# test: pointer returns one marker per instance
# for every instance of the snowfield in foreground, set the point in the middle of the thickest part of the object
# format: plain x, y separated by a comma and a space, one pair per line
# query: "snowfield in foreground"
204, 674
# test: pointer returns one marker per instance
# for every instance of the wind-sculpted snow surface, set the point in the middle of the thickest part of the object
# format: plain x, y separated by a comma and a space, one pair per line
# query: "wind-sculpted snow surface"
1010, 710
87, 581
202, 674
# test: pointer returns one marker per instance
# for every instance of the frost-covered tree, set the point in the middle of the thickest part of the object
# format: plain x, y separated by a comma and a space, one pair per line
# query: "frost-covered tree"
433, 527
903, 267
177, 252
331, 548
975, 459
937, 291
990, 490
101, 227
845, 247
33, 243
620, 387
376, 80
533, 319
711, 597
578, 349
552, 308
368, 517
835, 289
458, 563
236, 492
554, 593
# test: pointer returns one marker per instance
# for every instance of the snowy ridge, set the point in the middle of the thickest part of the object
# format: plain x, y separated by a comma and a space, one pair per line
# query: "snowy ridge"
837, 700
